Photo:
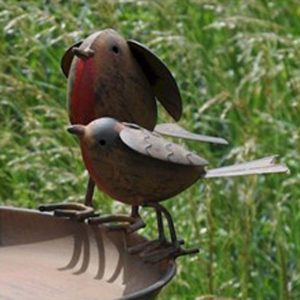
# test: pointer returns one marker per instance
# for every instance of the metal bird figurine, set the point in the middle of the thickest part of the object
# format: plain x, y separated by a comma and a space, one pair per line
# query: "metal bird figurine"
141, 168
110, 76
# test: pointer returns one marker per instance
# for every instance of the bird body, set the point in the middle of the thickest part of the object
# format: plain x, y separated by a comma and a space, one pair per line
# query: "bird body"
136, 179
128, 175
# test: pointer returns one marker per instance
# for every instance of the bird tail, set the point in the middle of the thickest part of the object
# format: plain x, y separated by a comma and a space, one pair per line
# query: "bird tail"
260, 166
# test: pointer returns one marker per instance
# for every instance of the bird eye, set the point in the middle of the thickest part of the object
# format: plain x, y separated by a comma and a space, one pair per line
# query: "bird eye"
115, 49
102, 142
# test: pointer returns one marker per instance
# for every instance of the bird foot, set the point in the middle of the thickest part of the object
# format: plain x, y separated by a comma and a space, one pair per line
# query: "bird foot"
165, 250
74, 211
133, 223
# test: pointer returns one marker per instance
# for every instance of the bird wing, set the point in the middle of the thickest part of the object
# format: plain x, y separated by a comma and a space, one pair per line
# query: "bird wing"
154, 145
175, 130
67, 58
160, 78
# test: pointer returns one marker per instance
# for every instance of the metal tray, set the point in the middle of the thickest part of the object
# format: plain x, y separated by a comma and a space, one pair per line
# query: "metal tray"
45, 257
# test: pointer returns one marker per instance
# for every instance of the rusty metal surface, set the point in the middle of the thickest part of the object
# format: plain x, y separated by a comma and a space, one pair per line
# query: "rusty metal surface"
153, 145
44, 257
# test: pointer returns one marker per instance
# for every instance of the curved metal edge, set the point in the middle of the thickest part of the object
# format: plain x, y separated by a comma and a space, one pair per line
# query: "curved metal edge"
21, 209
146, 294
151, 291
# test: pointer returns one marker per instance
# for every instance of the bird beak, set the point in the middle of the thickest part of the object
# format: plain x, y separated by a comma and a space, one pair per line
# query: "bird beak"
77, 129
83, 53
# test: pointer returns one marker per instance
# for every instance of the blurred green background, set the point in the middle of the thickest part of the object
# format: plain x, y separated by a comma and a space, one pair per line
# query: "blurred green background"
237, 66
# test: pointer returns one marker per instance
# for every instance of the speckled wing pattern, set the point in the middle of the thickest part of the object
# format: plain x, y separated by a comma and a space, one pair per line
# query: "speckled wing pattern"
153, 145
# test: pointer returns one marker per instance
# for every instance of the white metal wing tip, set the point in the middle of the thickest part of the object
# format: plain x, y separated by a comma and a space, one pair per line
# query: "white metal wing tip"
174, 130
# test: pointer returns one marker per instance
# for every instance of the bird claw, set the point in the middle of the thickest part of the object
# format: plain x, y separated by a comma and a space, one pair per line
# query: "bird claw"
133, 223
74, 211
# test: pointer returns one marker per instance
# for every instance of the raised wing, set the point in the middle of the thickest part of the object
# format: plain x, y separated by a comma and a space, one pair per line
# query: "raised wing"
175, 130
160, 78
151, 144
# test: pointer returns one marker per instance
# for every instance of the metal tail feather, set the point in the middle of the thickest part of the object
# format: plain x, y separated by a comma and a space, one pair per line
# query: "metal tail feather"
260, 166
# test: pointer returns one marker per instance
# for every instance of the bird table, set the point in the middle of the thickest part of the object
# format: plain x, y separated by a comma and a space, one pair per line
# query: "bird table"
46, 257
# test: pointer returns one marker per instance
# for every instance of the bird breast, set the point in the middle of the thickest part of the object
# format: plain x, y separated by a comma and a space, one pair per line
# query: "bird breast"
110, 84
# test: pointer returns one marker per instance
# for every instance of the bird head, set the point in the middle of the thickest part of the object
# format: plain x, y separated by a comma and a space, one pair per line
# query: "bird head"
100, 133
105, 45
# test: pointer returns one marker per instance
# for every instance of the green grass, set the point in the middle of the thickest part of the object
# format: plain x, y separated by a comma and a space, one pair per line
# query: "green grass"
237, 64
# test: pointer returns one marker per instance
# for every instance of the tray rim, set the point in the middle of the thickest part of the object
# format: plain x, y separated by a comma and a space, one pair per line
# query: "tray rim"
151, 290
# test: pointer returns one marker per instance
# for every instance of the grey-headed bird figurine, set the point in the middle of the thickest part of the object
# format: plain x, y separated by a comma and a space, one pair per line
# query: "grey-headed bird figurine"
138, 167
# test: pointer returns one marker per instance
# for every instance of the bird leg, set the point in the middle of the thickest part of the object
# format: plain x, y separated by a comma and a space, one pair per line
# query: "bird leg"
164, 249
148, 246
88, 199
134, 221
76, 211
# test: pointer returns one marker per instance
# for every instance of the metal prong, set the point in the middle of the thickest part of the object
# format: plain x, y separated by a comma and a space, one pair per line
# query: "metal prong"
83, 53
